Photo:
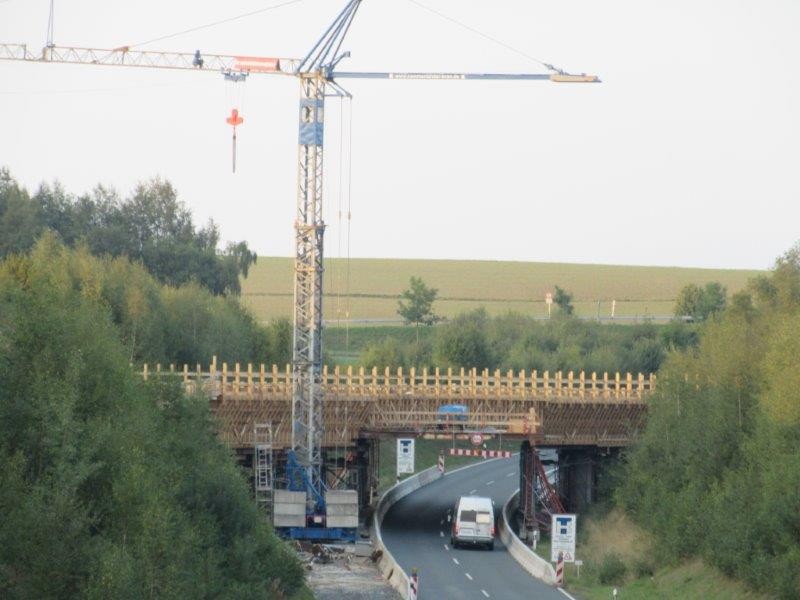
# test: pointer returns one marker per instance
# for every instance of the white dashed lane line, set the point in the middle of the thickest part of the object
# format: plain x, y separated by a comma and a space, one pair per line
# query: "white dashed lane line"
490, 482
509, 475
441, 534
455, 560
446, 547
472, 491
468, 576
485, 593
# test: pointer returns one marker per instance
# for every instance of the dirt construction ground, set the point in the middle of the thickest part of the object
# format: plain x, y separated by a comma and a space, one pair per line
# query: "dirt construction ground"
345, 573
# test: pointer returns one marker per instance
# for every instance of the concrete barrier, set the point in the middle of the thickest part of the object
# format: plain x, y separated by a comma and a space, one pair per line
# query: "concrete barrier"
527, 558
387, 565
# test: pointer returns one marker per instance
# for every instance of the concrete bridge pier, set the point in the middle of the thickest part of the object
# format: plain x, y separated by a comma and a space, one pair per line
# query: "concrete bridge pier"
366, 465
577, 477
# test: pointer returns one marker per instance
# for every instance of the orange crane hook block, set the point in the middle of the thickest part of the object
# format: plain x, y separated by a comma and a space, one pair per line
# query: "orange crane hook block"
233, 121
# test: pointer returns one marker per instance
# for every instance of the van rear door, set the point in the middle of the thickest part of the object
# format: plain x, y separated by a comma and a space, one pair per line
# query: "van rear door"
466, 523
484, 524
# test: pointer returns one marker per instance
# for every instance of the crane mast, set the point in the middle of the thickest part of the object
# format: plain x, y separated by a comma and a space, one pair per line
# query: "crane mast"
307, 424
314, 74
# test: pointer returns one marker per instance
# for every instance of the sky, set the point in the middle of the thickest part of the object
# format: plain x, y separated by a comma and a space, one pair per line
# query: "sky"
686, 155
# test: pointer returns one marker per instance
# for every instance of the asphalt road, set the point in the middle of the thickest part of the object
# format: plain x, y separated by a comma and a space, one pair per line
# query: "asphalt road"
416, 532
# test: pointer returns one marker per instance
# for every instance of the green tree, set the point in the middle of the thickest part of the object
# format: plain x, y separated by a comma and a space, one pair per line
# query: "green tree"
463, 342
700, 303
722, 440
111, 487
20, 222
563, 300
418, 305
152, 226
386, 353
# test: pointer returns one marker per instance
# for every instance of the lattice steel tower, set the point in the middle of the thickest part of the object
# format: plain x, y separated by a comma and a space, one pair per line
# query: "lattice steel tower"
314, 73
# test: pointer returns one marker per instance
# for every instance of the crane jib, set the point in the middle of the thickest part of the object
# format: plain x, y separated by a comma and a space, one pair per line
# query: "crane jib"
556, 77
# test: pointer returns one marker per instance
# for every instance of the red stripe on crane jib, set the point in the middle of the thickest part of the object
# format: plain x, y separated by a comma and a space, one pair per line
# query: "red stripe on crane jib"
257, 64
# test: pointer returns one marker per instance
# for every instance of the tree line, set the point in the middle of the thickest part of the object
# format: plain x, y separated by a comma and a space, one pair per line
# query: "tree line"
515, 341
164, 324
112, 487
717, 471
151, 226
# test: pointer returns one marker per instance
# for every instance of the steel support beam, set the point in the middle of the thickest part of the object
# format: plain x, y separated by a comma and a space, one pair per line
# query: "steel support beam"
527, 492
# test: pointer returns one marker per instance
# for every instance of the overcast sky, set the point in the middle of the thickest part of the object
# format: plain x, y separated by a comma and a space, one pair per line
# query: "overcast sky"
687, 154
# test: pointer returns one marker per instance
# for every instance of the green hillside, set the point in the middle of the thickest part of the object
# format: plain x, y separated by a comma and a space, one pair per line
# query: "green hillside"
370, 287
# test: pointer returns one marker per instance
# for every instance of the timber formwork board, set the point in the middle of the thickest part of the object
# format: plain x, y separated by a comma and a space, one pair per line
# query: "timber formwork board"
558, 409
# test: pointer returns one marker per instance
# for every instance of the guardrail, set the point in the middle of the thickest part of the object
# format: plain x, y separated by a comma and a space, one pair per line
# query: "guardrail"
387, 564
527, 558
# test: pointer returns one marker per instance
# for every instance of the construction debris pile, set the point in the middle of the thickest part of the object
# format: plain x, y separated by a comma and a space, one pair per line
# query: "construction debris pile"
344, 572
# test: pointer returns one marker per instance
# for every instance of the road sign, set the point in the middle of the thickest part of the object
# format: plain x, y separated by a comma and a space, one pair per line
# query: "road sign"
405, 455
548, 297
562, 537
476, 439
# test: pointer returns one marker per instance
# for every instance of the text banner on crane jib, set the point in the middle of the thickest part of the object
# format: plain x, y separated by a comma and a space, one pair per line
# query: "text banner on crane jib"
405, 455
562, 537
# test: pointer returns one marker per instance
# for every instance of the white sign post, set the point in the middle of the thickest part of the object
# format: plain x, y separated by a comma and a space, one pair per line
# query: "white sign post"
562, 537
405, 456
548, 298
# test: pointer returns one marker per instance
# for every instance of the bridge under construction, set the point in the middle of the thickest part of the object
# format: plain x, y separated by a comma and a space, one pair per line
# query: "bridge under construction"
584, 416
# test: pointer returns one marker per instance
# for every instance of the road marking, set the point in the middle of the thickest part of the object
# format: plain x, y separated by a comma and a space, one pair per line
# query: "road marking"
509, 475
485, 593
468, 576
446, 547
472, 491
455, 560
441, 534
490, 482
441, 521
566, 594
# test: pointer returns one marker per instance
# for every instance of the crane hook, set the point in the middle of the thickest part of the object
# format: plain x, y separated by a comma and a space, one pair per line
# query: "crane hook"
234, 120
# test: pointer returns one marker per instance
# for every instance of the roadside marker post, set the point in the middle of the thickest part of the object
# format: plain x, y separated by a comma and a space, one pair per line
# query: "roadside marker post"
440, 464
413, 585
560, 570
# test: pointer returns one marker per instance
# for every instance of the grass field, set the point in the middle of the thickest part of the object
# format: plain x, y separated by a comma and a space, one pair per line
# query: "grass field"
371, 287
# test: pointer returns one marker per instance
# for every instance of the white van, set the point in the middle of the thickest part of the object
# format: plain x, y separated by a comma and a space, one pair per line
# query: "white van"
473, 522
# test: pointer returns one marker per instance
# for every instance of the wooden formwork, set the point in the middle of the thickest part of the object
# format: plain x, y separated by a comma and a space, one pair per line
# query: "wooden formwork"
548, 408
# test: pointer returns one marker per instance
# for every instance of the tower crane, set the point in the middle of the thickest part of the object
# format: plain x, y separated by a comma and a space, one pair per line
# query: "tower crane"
319, 78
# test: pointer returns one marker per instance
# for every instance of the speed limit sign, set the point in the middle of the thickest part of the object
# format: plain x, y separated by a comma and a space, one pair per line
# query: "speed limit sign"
476, 439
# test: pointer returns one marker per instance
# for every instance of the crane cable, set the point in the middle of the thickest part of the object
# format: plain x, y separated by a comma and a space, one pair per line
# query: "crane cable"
349, 218
494, 40
345, 154
215, 23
